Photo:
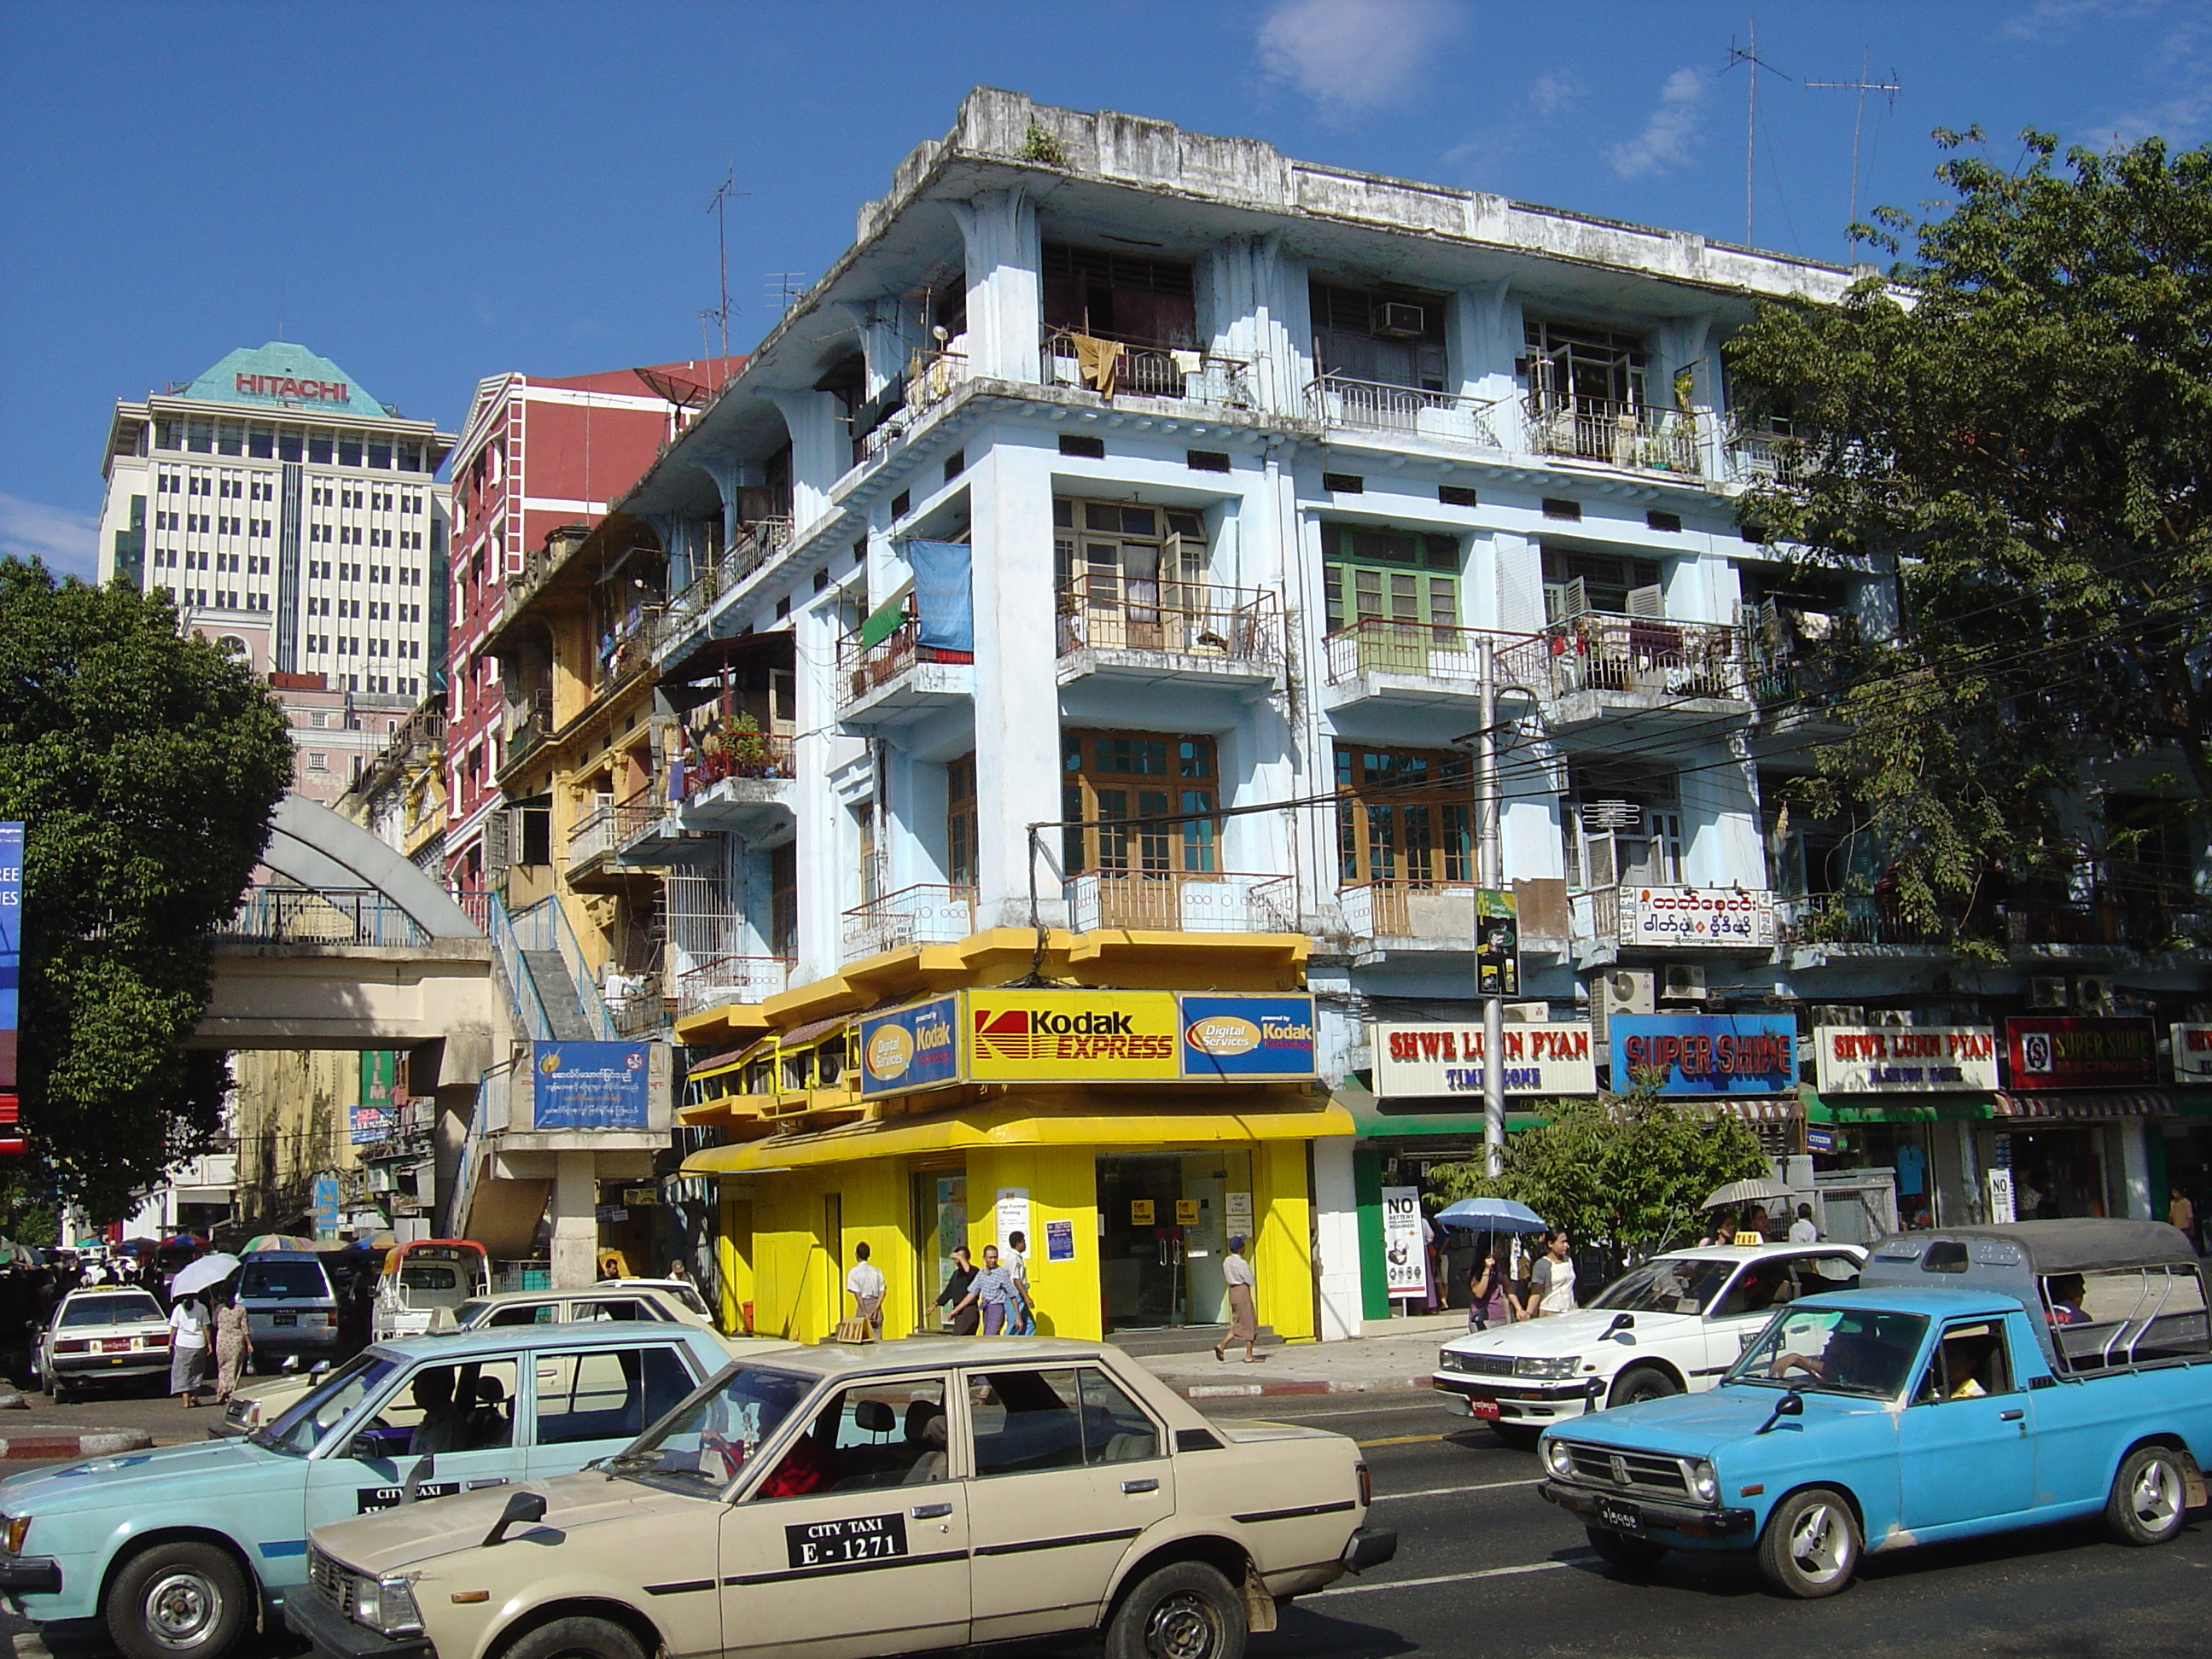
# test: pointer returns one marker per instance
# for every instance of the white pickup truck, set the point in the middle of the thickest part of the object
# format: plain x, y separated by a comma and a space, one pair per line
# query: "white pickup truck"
1671, 1326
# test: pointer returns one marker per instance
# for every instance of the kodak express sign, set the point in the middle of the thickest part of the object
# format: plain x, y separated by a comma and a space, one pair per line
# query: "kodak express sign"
1135, 1037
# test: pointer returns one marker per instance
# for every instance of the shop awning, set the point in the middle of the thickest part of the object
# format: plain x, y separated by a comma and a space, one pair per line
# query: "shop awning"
1893, 1108
2080, 1104
1016, 1124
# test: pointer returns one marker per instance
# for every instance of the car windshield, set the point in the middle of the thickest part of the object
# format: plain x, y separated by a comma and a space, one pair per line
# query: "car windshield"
687, 1296
110, 1310
471, 1313
1671, 1284
705, 1442
1856, 1350
299, 1429
295, 1280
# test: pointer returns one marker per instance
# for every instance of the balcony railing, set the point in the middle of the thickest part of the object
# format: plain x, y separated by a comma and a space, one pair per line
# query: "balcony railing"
529, 722
604, 828
1182, 901
1412, 909
1178, 618
756, 545
861, 670
721, 749
1144, 370
1762, 451
922, 915
1376, 644
305, 915
1378, 406
1602, 651
1639, 437
724, 979
1847, 918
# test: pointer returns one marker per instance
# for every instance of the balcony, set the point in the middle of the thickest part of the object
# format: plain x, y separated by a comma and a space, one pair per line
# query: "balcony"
1129, 368
597, 835
1766, 452
931, 378
1634, 437
742, 783
1145, 632
898, 680
757, 544
721, 981
1404, 410
2103, 925
1633, 671
1183, 902
1817, 928
1422, 664
922, 915
529, 723
1399, 915
649, 834
1643, 917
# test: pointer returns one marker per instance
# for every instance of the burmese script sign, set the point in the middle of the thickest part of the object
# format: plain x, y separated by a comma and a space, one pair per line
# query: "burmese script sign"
1904, 1059
1437, 1058
1715, 918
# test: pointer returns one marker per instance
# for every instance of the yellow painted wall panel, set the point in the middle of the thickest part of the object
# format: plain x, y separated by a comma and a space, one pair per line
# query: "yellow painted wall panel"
1282, 1254
1062, 1183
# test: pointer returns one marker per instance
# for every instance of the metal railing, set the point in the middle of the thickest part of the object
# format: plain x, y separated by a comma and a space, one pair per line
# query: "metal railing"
1182, 901
307, 916
522, 989
861, 670
591, 835
1763, 450
1639, 437
722, 749
544, 927
1178, 618
723, 980
756, 545
1409, 909
1602, 651
1146, 369
926, 913
1376, 645
1380, 406
529, 722
1848, 918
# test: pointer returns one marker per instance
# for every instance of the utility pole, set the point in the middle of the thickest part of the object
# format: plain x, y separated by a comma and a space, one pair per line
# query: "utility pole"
1890, 88
717, 204
1488, 874
1749, 55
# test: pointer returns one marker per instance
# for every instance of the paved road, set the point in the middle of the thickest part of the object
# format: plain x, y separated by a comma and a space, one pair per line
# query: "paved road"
1488, 1569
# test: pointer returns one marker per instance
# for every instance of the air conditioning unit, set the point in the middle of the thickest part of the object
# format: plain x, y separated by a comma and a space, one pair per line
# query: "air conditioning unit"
1619, 991
2093, 995
1394, 319
1890, 1017
1684, 983
2047, 994
1839, 1014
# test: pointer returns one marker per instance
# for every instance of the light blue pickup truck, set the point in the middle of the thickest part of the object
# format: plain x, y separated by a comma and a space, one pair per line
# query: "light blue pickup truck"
1979, 1379
180, 1549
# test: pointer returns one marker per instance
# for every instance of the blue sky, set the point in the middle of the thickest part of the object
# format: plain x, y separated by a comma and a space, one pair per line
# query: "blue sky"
429, 193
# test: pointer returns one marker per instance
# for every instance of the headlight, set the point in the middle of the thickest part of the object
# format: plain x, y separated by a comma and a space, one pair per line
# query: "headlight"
1561, 1460
12, 1528
1449, 1361
1558, 1366
388, 1605
1705, 1482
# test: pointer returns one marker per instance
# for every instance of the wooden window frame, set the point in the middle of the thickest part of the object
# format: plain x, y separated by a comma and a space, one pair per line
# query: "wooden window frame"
1395, 829
1094, 788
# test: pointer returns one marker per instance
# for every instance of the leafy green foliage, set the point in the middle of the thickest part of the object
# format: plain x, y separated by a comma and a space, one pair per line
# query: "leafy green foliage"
2022, 438
1626, 1171
145, 767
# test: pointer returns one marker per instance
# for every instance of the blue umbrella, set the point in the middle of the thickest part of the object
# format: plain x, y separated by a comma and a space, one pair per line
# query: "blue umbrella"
1492, 1215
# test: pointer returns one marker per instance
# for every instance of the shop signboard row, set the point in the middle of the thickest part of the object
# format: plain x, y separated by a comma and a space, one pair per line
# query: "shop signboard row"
2192, 1054
1904, 1059
2041, 1051
1441, 1058
1086, 1036
1696, 1054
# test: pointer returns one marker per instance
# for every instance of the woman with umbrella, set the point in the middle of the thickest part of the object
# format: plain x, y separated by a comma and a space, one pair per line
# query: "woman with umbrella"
188, 1326
1490, 1286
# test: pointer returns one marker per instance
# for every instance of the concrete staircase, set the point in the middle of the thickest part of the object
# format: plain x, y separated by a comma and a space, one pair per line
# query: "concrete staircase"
556, 994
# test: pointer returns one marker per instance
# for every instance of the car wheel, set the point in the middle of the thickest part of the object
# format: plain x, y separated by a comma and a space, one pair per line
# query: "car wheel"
2148, 1505
1638, 1383
1184, 1610
578, 1639
1811, 1545
182, 1600
1618, 1549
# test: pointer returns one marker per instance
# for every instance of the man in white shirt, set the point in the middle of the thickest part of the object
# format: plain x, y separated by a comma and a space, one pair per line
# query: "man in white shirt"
865, 1285
1801, 1230
1022, 1319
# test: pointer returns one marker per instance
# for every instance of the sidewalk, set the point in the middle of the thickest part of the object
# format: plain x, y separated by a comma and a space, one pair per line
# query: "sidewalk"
1400, 1362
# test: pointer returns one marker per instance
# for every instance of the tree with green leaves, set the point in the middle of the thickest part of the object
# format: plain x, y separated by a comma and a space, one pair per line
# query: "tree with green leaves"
1625, 1172
2018, 426
145, 767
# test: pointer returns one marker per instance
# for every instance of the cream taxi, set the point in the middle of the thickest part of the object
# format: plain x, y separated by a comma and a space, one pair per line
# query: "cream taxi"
957, 1492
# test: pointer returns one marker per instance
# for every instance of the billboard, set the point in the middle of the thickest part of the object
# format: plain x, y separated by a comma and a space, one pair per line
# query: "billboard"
1135, 1037
1243, 1038
1728, 918
911, 1048
1904, 1060
591, 1085
377, 1116
11, 946
2056, 1051
1442, 1059
1706, 1053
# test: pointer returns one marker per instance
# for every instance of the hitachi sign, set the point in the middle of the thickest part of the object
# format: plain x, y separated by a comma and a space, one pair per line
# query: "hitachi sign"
282, 386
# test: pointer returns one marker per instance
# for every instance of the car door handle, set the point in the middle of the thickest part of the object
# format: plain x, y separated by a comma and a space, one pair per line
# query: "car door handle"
2012, 1416
1140, 1485
930, 1511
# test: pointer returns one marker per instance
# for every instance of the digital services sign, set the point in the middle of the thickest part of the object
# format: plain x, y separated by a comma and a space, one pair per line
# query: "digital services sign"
911, 1048
1246, 1038
1706, 1053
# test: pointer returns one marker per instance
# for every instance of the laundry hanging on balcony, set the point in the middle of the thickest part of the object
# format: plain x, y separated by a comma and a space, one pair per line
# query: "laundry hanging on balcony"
944, 612
1098, 359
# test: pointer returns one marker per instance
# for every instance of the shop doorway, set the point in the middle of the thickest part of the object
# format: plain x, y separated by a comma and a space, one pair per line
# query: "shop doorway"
940, 1223
2058, 1173
1165, 1222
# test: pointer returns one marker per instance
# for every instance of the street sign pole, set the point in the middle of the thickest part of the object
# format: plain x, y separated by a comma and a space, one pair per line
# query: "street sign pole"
1489, 877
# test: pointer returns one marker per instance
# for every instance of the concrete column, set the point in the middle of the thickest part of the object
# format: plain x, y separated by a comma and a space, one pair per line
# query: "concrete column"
822, 862
2135, 1169
883, 344
821, 451
1005, 300
1336, 1205
575, 1226
449, 1132
1258, 313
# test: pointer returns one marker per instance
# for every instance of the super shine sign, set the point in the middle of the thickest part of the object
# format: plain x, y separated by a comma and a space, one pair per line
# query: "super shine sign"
1904, 1059
1428, 1060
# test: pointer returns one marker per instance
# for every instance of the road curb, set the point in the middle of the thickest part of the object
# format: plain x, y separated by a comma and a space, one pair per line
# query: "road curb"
1270, 1390
97, 1443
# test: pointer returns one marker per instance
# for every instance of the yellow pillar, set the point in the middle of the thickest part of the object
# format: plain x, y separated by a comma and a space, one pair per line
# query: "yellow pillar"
1282, 1250
1062, 1183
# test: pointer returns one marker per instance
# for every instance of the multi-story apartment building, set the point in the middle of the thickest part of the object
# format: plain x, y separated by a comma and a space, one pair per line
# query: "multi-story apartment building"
1080, 597
535, 454
290, 512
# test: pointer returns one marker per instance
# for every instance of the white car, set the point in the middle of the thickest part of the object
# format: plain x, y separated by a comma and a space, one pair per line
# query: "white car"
1671, 1326
102, 1332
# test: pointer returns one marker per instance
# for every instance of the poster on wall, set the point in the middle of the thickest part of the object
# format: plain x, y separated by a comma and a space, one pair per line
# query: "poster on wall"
591, 1085
2192, 1054
1436, 1058
1012, 1212
1904, 1060
1706, 1053
1497, 943
2056, 1051
912, 1048
1405, 1254
1060, 1240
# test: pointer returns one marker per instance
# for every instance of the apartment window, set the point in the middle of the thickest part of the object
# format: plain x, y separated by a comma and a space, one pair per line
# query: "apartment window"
1621, 822
317, 761
783, 900
869, 852
1109, 775
1207, 461
1371, 572
1121, 552
1568, 363
1403, 815
1089, 449
1457, 496
1385, 333
1120, 296
960, 825
1576, 582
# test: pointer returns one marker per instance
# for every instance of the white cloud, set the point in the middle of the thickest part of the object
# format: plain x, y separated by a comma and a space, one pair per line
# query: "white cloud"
2046, 18
67, 541
1670, 135
1352, 54
1550, 94
1518, 128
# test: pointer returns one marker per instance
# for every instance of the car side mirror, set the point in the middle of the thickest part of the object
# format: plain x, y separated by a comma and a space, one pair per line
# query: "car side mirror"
1792, 1404
320, 1368
523, 1509
1621, 1322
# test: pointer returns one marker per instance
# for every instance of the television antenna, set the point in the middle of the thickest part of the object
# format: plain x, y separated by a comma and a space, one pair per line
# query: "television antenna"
784, 286
718, 204
1889, 89
1749, 54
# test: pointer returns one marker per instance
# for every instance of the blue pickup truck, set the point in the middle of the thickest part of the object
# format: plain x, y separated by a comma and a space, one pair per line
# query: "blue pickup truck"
1980, 1379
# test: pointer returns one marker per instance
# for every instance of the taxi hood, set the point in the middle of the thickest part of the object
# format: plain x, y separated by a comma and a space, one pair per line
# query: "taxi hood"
123, 1478
411, 1535
1559, 1333
1699, 1424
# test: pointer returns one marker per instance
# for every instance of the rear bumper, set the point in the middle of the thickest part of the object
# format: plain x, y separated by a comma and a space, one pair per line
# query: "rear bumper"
1683, 1520
85, 1367
1369, 1546
337, 1636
